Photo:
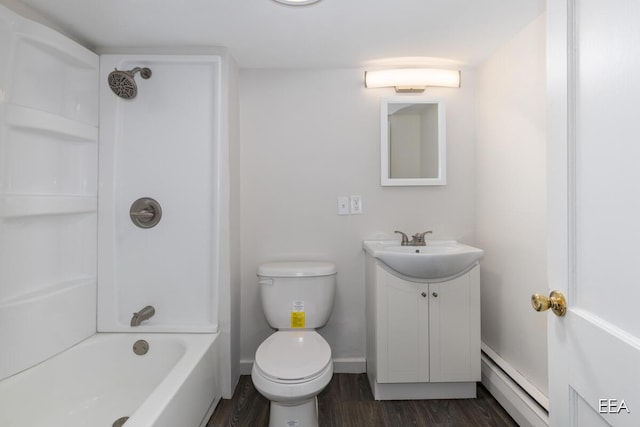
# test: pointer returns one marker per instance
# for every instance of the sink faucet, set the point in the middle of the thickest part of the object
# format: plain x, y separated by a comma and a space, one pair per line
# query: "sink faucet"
142, 315
417, 239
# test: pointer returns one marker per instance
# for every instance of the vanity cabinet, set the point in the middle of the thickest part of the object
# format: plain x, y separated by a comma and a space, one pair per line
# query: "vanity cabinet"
423, 338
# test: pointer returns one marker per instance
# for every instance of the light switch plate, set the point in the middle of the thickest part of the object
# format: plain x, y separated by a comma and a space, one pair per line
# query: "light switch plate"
343, 205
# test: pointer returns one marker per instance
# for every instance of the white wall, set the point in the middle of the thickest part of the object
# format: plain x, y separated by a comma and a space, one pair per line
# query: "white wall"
25, 11
308, 136
511, 201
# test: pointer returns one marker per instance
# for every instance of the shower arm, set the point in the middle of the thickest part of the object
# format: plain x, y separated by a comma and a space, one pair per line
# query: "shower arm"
145, 73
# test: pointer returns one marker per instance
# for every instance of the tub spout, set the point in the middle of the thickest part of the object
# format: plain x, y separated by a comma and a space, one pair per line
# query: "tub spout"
142, 315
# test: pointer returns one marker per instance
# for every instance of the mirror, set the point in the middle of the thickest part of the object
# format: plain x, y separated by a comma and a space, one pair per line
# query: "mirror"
413, 142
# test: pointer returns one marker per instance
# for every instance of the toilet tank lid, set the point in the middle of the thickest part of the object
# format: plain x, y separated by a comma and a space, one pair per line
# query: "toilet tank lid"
297, 269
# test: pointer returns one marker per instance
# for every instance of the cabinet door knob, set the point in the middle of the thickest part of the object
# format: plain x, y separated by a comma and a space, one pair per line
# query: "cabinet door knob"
435, 294
424, 294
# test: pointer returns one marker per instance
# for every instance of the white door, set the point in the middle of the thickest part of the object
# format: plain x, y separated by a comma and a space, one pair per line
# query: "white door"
594, 211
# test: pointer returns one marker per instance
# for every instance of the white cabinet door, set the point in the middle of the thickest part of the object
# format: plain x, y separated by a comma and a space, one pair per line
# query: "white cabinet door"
454, 329
431, 331
404, 357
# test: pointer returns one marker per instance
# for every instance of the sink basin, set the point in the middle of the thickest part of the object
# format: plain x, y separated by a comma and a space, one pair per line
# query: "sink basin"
439, 259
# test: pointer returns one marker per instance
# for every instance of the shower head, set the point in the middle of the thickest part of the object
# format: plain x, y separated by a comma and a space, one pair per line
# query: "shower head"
123, 83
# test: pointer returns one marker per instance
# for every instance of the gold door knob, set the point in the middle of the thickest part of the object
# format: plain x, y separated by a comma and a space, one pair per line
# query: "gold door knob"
556, 302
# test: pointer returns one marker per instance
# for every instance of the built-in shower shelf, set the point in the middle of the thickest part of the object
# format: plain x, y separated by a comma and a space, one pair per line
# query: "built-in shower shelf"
28, 118
47, 291
16, 206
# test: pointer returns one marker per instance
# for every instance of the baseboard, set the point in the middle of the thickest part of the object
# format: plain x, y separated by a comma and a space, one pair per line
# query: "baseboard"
522, 407
341, 365
245, 366
349, 365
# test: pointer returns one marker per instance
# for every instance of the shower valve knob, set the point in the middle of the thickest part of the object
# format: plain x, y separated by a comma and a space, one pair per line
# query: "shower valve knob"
145, 212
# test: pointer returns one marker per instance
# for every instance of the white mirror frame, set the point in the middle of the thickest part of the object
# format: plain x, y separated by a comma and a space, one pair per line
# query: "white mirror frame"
385, 174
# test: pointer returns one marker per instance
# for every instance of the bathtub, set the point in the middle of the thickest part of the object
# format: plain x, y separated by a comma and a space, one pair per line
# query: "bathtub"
101, 380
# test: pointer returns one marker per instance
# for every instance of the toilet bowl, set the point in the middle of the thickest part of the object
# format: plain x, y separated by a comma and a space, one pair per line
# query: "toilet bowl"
291, 368
293, 365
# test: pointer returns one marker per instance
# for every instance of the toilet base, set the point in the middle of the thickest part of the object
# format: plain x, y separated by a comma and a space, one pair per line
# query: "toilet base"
294, 414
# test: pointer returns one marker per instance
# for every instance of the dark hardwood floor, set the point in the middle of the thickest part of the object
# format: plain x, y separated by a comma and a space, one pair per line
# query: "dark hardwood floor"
347, 401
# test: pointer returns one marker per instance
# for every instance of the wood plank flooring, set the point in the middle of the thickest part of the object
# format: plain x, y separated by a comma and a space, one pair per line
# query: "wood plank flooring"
347, 402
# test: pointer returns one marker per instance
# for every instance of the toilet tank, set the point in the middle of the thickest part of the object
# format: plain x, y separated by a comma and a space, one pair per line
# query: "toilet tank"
297, 294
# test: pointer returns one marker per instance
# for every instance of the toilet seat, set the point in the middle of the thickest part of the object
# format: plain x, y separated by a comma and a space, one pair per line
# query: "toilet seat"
293, 356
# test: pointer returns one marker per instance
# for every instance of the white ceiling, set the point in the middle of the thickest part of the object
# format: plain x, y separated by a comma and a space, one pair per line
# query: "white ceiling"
332, 33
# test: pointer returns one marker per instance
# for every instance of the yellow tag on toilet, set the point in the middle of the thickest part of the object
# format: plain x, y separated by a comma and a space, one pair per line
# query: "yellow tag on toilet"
297, 319
297, 315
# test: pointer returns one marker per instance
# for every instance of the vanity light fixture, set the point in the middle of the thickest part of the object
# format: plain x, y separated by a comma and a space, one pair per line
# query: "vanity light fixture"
411, 79
297, 2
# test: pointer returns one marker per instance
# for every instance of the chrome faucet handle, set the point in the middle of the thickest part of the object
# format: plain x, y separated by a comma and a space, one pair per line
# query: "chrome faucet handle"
418, 239
405, 239
420, 236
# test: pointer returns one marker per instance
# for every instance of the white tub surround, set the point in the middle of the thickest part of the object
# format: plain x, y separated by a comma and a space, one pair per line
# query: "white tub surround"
176, 142
101, 380
162, 144
171, 143
48, 190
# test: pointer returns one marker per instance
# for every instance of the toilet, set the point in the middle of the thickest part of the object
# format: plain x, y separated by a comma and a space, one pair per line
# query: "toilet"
293, 365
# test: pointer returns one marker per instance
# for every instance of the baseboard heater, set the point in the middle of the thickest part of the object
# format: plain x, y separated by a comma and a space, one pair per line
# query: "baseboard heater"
527, 408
